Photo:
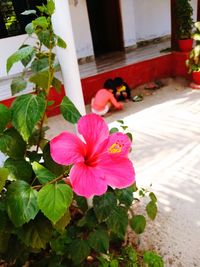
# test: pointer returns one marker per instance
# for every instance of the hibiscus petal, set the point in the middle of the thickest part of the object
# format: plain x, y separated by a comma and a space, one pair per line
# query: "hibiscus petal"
87, 181
118, 171
119, 144
67, 148
93, 128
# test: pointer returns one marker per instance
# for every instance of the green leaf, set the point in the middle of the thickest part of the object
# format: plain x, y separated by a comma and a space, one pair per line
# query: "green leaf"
3, 177
152, 259
69, 111
61, 43
44, 37
103, 205
63, 222
25, 61
130, 136
12, 144
99, 240
114, 130
29, 28
21, 201
151, 210
41, 79
89, 220
79, 251
125, 195
120, 121
18, 84
57, 84
36, 234
138, 224
118, 221
124, 127
50, 164
50, 7
43, 175
153, 197
19, 169
28, 12
18, 56
54, 199
114, 263
5, 117
40, 22
40, 64
4, 239
27, 111
131, 253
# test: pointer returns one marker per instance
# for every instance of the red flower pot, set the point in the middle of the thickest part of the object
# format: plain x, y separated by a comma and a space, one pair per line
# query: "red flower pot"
196, 77
185, 45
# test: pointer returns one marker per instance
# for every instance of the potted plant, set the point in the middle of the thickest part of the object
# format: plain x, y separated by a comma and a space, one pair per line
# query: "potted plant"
193, 63
184, 24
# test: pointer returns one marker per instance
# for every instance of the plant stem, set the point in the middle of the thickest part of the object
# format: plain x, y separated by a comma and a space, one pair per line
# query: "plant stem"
57, 179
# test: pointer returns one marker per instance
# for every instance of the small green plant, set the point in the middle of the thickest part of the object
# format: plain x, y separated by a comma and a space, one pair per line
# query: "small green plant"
193, 63
184, 20
45, 219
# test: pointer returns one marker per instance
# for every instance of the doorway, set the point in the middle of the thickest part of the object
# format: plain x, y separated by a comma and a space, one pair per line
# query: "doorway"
105, 25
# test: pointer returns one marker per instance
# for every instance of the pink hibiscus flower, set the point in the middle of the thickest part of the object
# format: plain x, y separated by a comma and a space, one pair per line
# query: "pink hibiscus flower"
100, 161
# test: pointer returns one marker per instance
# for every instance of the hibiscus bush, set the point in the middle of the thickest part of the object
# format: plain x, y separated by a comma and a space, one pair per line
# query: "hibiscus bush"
68, 201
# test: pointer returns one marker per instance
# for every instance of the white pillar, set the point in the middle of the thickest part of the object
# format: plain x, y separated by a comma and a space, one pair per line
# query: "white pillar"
67, 57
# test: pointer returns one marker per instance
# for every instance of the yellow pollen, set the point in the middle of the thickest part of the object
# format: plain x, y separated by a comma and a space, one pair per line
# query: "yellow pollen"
115, 148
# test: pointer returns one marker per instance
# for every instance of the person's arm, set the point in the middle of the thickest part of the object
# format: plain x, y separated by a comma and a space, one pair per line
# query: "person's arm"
114, 102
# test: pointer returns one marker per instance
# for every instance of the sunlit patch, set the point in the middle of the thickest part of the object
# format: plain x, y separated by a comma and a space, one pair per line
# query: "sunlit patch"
115, 148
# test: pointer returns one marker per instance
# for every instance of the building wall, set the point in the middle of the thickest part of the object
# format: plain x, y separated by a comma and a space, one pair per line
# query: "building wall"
141, 20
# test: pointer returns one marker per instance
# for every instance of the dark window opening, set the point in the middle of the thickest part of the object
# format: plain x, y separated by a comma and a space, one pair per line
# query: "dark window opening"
11, 21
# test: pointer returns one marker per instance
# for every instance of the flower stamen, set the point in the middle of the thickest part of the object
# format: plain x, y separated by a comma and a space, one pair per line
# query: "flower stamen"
115, 148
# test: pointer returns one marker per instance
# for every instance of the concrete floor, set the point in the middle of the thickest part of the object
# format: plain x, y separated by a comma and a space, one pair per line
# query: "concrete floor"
166, 154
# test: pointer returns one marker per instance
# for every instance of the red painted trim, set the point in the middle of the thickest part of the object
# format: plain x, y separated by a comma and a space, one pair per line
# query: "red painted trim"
134, 74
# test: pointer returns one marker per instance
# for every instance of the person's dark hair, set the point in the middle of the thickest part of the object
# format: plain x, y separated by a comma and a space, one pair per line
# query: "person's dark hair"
109, 84
118, 81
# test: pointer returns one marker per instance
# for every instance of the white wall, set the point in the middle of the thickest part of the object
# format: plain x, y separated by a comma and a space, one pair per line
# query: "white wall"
81, 29
128, 22
152, 18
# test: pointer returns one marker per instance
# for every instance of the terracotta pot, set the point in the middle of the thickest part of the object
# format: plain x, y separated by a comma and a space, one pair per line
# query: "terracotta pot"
196, 77
185, 45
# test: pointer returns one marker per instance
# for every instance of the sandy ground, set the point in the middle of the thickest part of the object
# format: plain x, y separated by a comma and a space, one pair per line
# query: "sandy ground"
166, 154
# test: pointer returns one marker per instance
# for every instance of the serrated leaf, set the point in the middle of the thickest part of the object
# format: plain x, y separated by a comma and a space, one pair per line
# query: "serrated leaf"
151, 210
89, 220
63, 222
54, 199
153, 196
29, 28
99, 240
40, 22
28, 12
3, 177
61, 43
18, 84
5, 117
82, 250
118, 221
103, 205
27, 111
114, 130
18, 56
40, 64
19, 169
21, 202
69, 111
43, 175
41, 79
44, 37
138, 224
36, 234
56, 83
